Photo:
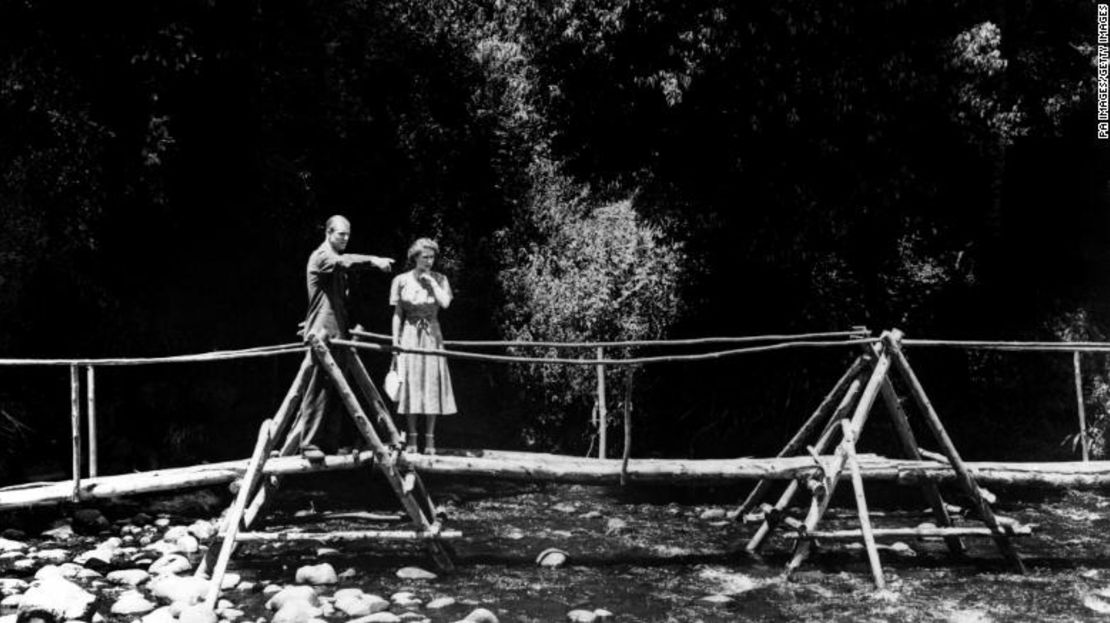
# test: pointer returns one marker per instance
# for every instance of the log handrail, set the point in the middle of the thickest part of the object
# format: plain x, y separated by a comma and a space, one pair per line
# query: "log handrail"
219, 355
589, 361
744, 339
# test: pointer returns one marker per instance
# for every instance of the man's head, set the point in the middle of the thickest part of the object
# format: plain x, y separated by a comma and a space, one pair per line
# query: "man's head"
338, 233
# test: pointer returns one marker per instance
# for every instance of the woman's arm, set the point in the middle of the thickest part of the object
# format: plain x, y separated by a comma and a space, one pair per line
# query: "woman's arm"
442, 293
398, 316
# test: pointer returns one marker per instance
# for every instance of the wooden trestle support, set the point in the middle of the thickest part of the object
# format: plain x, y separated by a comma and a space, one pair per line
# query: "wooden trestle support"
387, 458
854, 396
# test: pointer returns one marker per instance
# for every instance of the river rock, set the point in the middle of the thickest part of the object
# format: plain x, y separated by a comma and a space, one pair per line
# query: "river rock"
298, 611
230, 581
565, 507
290, 594
581, 616
187, 544
413, 617
405, 599
378, 617
97, 559
11, 586
202, 530
58, 596
89, 521
231, 614
63, 532
352, 605
25, 564
551, 558
130, 577
415, 573
440, 602
603, 614
162, 522
170, 564
712, 513
317, 575
198, 613
903, 550
53, 556
716, 599
49, 572
8, 545
132, 602
161, 615
13, 534
481, 615
70, 570
11, 602
615, 525
185, 590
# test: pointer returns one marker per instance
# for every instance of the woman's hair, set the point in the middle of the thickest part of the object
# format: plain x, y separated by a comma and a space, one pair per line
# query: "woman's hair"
421, 245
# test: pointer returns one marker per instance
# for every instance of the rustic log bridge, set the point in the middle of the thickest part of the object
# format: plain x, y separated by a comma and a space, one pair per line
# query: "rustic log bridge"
568, 469
907, 533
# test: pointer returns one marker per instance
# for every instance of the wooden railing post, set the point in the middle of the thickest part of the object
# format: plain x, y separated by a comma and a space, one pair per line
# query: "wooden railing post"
75, 427
1083, 443
602, 412
90, 415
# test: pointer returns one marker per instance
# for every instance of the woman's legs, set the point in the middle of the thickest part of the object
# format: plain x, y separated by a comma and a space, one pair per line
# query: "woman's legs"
411, 436
430, 437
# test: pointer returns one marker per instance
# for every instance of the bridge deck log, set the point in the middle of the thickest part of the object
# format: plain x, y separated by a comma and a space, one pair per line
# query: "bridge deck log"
559, 468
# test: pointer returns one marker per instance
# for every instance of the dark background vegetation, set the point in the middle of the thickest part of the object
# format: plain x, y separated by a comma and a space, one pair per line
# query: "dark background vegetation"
804, 166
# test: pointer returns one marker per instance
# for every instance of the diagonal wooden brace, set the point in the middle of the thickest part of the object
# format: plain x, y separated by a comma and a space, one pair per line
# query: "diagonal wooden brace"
964, 477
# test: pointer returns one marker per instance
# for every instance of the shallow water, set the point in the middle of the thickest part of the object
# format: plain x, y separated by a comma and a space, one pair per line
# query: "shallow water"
648, 559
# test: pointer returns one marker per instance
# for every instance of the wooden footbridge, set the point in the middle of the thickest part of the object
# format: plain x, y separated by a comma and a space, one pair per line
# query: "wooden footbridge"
820, 456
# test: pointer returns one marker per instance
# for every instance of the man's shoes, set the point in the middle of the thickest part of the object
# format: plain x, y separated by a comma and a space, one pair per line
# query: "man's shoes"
312, 454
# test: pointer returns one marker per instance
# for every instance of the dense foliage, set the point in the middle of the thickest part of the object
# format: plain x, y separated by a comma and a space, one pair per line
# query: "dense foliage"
766, 166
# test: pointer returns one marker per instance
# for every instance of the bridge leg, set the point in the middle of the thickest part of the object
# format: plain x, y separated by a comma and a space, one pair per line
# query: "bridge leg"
235, 515
385, 459
819, 417
964, 477
849, 448
911, 450
821, 500
251, 483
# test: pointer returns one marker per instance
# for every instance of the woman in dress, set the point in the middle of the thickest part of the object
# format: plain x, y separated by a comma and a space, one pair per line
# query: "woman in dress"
417, 296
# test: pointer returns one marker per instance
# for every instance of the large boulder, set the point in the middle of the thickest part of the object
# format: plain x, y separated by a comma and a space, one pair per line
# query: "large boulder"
186, 590
132, 602
291, 594
58, 596
296, 612
317, 575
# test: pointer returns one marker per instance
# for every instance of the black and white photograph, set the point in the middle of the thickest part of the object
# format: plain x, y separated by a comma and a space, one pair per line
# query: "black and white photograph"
529, 311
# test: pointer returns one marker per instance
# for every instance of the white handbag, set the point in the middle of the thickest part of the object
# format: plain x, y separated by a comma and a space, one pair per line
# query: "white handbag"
392, 382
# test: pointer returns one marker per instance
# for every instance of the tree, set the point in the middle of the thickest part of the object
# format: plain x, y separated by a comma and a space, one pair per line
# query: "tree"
586, 274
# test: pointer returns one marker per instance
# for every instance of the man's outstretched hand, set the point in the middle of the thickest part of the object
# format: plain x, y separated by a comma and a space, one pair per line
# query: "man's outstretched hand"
383, 263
